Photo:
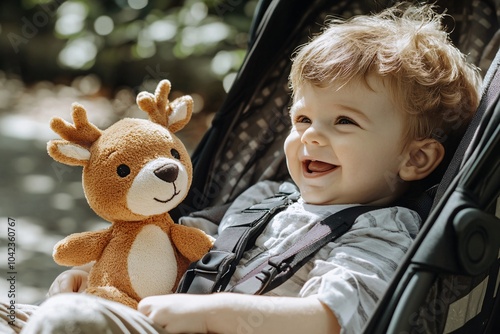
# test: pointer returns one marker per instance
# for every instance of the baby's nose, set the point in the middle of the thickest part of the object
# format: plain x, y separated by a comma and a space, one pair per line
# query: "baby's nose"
167, 173
313, 136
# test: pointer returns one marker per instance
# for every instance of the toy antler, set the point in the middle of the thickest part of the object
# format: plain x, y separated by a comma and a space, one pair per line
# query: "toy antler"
82, 132
74, 148
156, 105
171, 115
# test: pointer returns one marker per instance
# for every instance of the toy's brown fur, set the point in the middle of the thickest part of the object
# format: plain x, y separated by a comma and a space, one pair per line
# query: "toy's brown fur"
143, 252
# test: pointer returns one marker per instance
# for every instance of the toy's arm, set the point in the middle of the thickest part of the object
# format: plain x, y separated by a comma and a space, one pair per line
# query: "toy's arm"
191, 242
81, 248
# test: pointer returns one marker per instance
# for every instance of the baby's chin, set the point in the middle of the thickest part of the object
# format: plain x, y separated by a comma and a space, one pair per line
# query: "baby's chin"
316, 200
378, 202
321, 196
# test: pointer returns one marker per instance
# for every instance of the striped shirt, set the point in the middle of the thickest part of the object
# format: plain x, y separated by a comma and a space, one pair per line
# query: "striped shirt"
348, 275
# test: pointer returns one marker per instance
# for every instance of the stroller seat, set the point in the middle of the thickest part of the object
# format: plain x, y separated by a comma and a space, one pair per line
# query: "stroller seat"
454, 265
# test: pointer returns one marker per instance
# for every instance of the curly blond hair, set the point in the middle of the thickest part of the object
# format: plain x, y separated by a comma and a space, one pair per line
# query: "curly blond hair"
406, 45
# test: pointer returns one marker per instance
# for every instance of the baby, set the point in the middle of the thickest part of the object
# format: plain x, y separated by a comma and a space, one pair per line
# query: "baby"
377, 101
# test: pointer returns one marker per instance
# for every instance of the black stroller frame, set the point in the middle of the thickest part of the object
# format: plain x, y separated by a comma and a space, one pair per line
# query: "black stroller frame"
449, 280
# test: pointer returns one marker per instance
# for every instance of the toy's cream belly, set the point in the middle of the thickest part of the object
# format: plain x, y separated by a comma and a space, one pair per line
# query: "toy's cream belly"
152, 266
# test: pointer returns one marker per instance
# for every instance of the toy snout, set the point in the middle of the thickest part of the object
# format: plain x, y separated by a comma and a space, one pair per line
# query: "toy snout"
167, 173
160, 185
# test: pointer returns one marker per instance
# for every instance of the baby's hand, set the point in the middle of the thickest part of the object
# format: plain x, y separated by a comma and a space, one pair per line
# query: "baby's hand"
177, 313
73, 280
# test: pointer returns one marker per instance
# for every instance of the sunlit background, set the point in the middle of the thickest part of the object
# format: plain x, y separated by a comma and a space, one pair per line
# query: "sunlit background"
100, 53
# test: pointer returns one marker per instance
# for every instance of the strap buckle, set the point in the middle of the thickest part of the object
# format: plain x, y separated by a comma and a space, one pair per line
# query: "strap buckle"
268, 274
206, 275
215, 262
261, 282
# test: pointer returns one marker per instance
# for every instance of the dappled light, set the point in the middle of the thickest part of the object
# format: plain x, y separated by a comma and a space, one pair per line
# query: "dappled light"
100, 54
71, 18
192, 28
137, 4
79, 53
104, 25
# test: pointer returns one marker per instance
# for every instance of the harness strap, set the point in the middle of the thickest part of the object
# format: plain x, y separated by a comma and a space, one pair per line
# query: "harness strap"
213, 272
281, 267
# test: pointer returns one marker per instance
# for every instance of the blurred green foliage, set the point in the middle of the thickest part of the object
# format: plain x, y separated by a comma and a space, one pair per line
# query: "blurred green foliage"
100, 53
197, 44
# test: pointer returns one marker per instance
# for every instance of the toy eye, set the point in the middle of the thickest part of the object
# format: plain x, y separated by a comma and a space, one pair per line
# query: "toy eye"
175, 154
123, 170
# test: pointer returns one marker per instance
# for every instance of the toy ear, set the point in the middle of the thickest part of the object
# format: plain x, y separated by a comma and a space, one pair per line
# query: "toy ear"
182, 108
68, 153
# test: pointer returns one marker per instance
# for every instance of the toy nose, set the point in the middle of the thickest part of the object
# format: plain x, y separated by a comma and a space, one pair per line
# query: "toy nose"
167, 173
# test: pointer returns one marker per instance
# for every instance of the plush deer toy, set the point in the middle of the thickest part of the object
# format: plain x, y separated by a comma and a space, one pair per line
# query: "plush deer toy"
134, 172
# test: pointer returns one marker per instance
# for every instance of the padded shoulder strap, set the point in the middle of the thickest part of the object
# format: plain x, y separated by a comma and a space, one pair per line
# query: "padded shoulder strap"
281, 267
213, 272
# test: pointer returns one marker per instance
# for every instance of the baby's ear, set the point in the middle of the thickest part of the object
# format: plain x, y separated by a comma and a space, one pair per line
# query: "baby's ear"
421, 158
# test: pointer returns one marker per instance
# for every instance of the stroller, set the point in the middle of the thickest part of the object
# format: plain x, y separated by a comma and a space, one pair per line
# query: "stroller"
449, 280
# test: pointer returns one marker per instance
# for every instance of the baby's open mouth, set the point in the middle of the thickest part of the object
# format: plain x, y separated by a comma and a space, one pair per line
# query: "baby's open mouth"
315, 166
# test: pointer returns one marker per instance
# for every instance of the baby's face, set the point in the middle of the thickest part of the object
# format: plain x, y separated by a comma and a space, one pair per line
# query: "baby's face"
345, 145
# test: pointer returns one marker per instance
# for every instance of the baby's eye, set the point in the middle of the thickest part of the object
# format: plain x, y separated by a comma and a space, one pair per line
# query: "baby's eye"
302, 119
342, 120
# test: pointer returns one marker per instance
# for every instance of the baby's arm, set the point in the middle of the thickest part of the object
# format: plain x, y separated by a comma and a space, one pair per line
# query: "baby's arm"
72, 280
234, 313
